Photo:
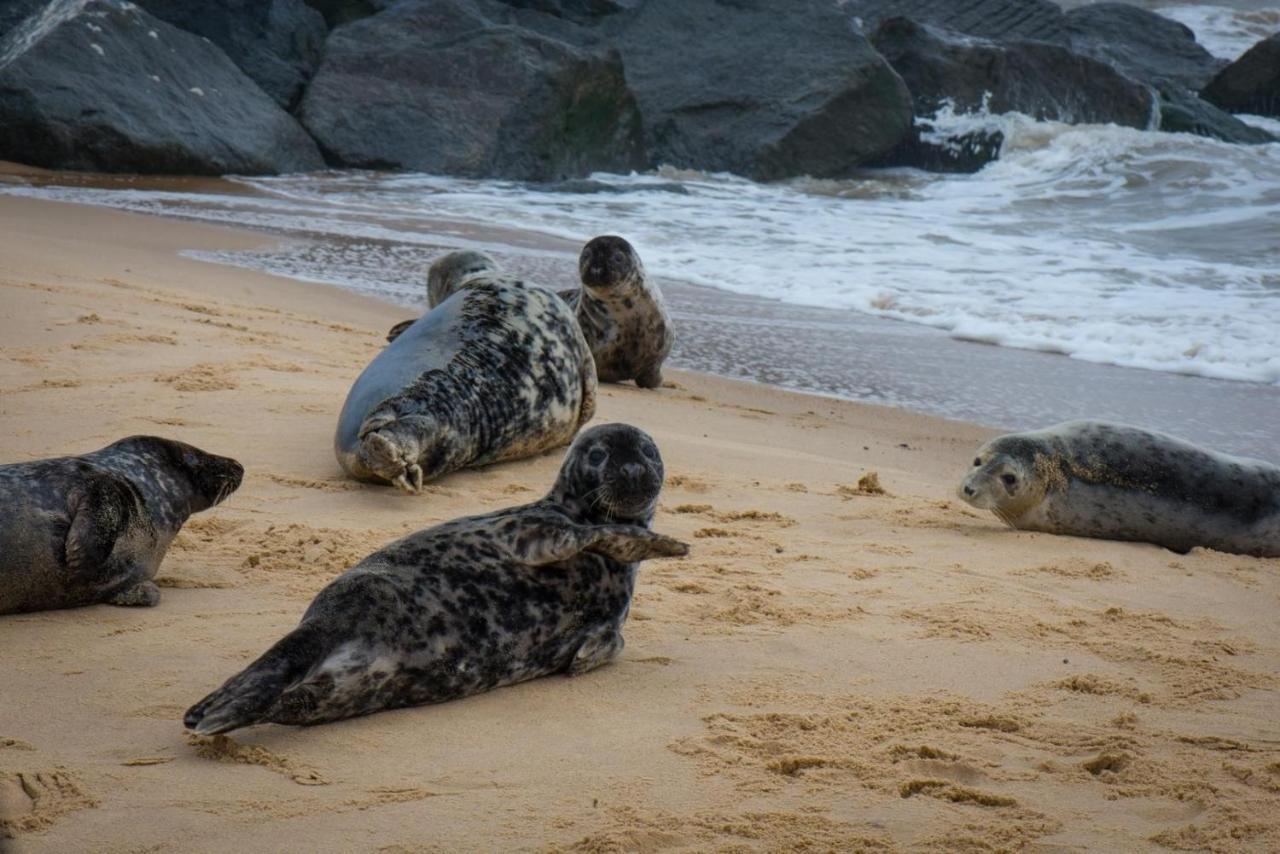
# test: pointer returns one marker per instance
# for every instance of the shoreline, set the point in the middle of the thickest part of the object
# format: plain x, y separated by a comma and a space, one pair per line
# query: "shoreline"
824, 351
829, 669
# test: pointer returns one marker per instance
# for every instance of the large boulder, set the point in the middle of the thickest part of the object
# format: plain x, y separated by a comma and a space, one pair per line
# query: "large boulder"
446, 86
1036, 78
1251, 84
277, 43
12, 12
991, 19
102, 85
339, 12
737, 86
1147, 47
581, 11
1182, 112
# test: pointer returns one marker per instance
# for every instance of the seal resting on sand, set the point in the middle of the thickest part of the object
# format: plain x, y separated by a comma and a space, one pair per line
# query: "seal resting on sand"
495, 372
471, 604
94, 528
1113, 482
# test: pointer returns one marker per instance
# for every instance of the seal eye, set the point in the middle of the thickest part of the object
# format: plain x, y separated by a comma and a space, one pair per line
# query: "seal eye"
1009, 480
597, 456
977, 461
189, 460
650, 451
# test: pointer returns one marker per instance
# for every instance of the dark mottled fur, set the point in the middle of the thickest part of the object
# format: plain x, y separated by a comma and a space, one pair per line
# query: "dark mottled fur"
1109, 481
94, 528
471, 604
621, 313
507, 374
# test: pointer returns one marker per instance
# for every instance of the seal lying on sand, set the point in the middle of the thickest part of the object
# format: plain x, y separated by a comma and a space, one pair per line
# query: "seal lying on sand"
471, 604
94, 528
622, 314
1109, 481
495, 372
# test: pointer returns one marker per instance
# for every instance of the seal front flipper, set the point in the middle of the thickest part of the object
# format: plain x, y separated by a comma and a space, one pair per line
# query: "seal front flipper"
143, 595
631, 543
546, 538
248, 697
597, 649
651, 378
100, 511
397, 330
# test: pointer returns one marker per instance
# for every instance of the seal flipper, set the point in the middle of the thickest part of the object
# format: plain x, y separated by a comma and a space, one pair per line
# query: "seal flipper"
143, 595
631, 543
100, 511
551, 538
249, 696
652, 378
398, 330
596, 650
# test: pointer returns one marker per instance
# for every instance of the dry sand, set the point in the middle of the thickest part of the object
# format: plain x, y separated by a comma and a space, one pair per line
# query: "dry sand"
831, 668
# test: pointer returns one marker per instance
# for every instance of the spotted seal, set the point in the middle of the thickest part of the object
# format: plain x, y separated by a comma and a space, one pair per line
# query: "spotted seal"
495, 372
622, 313
447, 273
94, 528
471, 604
1110, 481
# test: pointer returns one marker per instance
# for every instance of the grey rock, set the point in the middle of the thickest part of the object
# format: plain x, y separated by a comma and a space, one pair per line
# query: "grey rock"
991, 19
1182, 112
1148, 47
1251, 84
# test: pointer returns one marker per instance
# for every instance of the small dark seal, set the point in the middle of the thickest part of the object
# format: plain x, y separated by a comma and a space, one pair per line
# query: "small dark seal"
495, 372
1112, 482
471, 604
622, 313
94, 528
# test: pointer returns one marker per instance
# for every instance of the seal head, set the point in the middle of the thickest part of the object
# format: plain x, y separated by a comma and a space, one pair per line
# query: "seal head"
612, 473
448, 273
608, 262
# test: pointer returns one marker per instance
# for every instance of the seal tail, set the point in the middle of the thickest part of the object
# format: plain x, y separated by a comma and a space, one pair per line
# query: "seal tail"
247, 697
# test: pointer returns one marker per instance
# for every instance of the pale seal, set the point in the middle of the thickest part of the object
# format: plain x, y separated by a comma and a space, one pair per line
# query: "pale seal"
622, 313
495, 372
471, 604
1110, 481
94, 528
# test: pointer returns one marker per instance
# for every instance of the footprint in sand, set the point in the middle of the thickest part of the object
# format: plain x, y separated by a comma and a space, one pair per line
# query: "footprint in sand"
221, 748
33, 800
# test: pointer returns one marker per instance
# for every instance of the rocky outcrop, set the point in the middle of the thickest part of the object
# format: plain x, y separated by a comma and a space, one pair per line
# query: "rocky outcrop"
339, 12
12, 12
1183, 112
1251, 84
277, 43
990, 19
1035, 78
105, 86
1148, 47
739, 87
446, 86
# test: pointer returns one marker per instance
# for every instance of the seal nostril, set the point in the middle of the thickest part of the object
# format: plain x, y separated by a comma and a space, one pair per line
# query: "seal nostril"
968, 490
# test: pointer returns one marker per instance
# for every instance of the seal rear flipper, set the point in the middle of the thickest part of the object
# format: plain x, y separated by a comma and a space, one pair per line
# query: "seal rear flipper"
249, 696
100, 511
398, 330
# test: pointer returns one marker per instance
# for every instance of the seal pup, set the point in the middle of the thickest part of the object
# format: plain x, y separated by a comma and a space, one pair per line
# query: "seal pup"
446, 274
94, 528
622, 313
1114, 482
471, 604
495, 372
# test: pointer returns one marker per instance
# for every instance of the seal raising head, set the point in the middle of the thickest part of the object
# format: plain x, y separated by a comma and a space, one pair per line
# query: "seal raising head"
469, 605
1111, 481
94, 528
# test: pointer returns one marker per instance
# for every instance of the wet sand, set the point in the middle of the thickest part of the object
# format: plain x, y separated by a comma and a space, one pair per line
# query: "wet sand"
832, 668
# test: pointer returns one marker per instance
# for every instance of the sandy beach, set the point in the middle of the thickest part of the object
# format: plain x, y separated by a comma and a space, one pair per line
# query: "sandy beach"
833, 667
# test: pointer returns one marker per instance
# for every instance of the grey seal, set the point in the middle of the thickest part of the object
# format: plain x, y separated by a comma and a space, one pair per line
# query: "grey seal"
622, 313
447, 274
93, 528
1115, 482
471, 604
494, 372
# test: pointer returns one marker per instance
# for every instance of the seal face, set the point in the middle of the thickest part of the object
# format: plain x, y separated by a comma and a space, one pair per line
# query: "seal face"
622, 313
450, 273
1111, 481
94, 528
496, 372
471, 604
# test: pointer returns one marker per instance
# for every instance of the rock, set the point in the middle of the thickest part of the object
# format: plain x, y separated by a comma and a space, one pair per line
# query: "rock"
1036, 78
934, 151
1148, 47
582, 11
339, 12
277, 43
445, 86
735, 86
1251, 84
12, 12
991, 19
102, 85
1183, 112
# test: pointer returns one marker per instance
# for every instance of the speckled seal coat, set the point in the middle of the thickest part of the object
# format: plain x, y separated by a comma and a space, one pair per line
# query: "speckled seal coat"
94, 528
495, 372
621, 313
1110, 481
469, 605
